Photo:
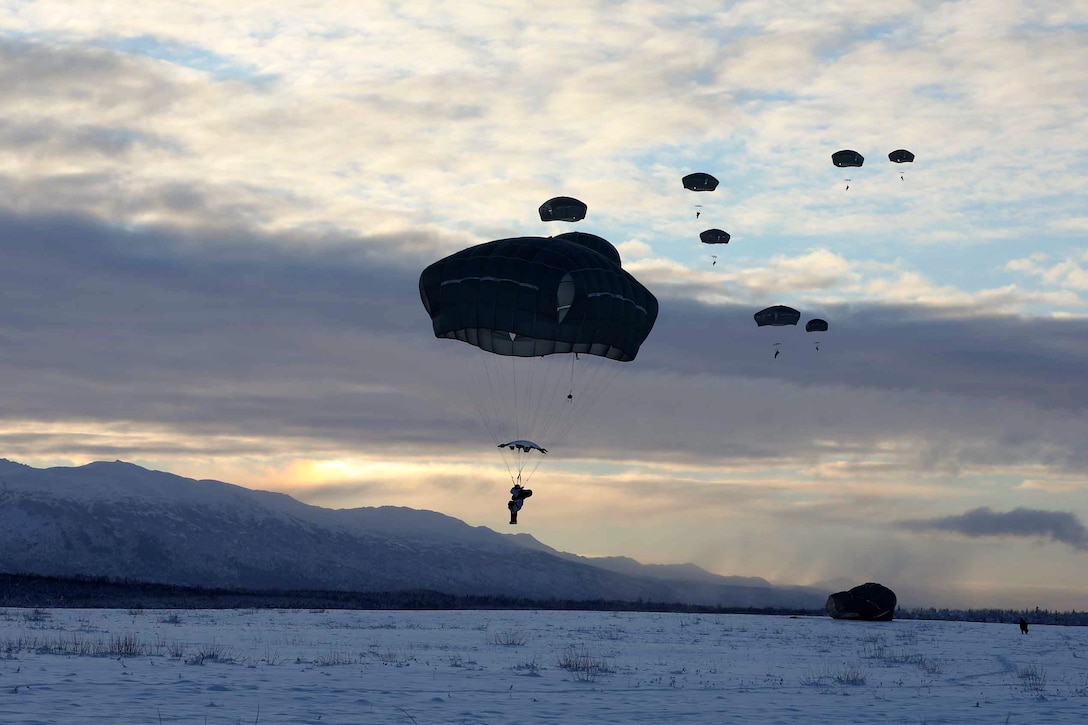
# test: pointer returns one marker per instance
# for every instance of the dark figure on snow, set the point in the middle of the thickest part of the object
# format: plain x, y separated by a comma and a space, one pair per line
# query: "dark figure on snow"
517, 500
1023, 626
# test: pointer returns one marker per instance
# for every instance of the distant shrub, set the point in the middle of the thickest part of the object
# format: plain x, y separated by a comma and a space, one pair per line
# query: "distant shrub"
126, 645
334, 657
393, 657
1033, 678
508, 638
37, 615
215, 652
848, 675
529, 666
583, 666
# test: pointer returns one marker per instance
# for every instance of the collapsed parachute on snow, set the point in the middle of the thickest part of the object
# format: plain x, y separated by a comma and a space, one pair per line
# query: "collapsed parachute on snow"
868, 602
563, 209
777, 316
700, 181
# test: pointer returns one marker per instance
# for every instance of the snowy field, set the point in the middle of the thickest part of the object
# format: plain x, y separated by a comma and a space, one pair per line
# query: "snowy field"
277, 666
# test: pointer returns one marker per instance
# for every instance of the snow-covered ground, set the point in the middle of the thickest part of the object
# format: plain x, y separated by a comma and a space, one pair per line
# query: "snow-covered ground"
275, 666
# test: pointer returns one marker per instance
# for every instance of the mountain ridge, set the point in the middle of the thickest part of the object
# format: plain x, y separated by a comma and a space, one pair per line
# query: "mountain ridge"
119, 519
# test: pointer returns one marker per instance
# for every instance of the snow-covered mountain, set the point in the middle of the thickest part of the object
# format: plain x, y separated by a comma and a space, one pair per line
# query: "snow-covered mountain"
121, 520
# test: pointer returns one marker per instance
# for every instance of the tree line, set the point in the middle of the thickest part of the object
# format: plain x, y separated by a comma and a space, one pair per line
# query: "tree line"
39, 591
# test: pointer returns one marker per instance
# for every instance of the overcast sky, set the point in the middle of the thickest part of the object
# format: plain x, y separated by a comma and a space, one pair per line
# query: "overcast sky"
213, 218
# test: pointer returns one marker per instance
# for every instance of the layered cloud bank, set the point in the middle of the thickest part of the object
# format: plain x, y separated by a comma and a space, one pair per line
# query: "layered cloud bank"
212, 228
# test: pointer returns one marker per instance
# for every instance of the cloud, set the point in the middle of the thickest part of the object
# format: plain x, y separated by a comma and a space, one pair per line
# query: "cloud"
1057, 526
324, 339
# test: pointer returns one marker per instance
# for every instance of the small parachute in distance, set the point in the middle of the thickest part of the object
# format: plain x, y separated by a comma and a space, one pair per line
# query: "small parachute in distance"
901, 156
816, 325
523, 445
777, 316
700, 181
563, 209
847, 157
714, 236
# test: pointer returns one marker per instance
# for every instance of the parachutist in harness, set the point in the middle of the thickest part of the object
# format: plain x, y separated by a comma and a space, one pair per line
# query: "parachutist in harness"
776, 353
518, 494
697, 214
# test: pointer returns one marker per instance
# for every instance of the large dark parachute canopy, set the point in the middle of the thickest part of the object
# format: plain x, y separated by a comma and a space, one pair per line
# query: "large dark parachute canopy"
847, 157
563, 209
777, 316
714, 236
533, 296
552, 317
869, 602
816, 325
700, 181
901, 156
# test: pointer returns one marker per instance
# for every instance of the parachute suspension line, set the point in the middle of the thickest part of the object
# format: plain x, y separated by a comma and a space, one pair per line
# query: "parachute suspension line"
544, 392
570, 395
550, 404
590, 384
517, 412
483, 379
